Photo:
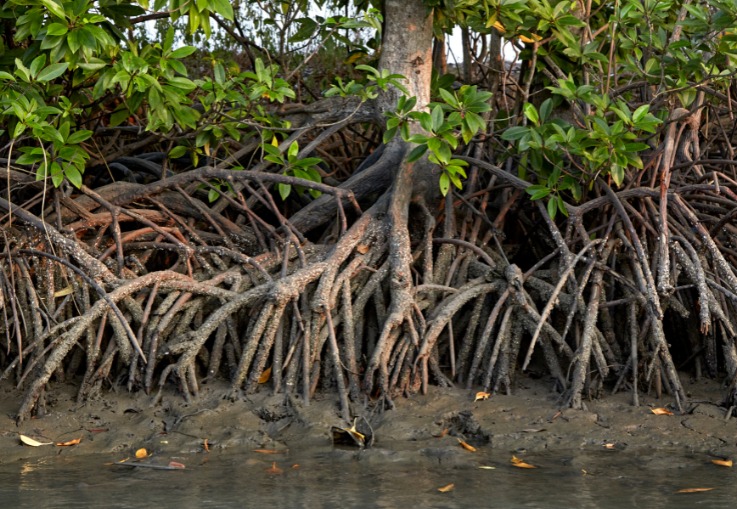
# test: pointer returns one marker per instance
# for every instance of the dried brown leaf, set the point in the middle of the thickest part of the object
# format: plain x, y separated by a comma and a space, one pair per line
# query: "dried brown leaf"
265, 376
176, 464
466, 445
661, 411
362, 248
206, 446
274, 470
723, 463
447, 488
69, 442
694, 490
271, 451
482, 396
521, 464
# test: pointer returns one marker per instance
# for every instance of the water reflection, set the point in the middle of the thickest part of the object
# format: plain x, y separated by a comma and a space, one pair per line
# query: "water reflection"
325, 479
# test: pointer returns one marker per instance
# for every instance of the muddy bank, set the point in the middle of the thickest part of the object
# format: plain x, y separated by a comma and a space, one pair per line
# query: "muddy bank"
421, 428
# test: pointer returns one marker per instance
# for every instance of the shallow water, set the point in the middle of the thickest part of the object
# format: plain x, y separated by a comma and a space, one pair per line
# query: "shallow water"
324, 478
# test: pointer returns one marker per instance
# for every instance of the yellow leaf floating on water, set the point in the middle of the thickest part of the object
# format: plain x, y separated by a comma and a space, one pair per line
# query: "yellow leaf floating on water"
466, 446
141, 453
33, 443
723, 463
694, 490
69, 442
482, 396
661, 411
521, 464
265, 376
447, 488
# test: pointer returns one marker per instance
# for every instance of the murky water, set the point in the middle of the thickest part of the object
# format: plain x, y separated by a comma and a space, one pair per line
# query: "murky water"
329, 479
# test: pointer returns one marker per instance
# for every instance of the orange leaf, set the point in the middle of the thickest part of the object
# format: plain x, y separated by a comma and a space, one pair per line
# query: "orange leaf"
521, 464
447, 488
661, 411
722, 463
176, 464
466, 446
362, 248
482, 396
141, 453
270, 451
273, 469
694, 490
206, 446
295, 466
68, 443
609, 446
265, 376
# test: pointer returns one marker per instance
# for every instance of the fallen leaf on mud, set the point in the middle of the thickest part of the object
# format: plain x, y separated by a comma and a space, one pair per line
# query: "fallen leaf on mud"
206, 446
33, 443
694, 490
273, 469
447, 488
362, 248
533, 430
521, 464
265, 376
722, 463
176, 464
482, 396
295, 466
661, 411
486, 467
442, 433
609, 446
69, 442
466, 446
271, 451
142, 453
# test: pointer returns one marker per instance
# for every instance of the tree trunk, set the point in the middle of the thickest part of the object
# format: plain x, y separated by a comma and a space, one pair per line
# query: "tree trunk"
407, 49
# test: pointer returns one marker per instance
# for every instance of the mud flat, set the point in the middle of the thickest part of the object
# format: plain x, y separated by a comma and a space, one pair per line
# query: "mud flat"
418, 429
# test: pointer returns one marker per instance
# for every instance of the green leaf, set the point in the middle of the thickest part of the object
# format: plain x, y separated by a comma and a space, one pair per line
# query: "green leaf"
177, 152
79, 136
437, 118
417, 152
38, 64
552, 208
54, 8
57, 29
293, 151
449, 98
284, 190
183, 52
531, 113
74, 176
52, 72
515, 133
444, 183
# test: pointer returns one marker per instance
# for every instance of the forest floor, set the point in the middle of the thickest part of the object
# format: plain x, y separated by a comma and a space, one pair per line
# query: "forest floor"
427, 428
